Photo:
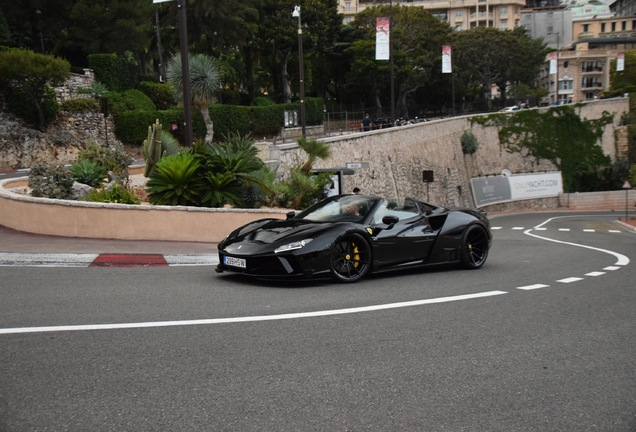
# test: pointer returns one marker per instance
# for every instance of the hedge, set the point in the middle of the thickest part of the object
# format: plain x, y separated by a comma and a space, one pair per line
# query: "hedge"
162, 95
116, 73
131, 127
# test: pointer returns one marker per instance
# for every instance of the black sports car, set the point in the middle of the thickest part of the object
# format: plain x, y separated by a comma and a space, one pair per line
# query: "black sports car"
348, 236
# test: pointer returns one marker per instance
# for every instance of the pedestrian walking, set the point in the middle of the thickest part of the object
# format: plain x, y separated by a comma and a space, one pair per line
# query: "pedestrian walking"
367, 124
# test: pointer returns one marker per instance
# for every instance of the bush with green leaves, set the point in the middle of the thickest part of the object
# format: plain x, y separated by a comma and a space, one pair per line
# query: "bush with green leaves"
162, 95
129, 100
469, 143
88, 173
263, 101
118, 194
176, 181
113, 158
117, 73
51, 181
80, 105
21, 105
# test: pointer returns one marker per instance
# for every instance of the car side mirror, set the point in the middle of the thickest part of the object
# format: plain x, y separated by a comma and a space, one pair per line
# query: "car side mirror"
290, 215
390, 221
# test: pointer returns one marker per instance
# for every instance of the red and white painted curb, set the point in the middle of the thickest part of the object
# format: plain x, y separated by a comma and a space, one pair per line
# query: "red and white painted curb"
105, 260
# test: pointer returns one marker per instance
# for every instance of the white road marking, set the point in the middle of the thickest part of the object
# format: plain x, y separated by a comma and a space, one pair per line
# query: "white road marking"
596, 273
615, 231
564, 229
589, 230
570, 280
192, 260
540, 229
22, 330
531, 287
611, 268
495, 228
517, 228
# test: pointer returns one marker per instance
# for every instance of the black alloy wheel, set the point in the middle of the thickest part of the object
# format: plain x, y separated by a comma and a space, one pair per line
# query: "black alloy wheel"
350, 258
474, 249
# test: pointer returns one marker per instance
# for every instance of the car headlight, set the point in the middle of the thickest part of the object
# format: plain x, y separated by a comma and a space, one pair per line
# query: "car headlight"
292, 246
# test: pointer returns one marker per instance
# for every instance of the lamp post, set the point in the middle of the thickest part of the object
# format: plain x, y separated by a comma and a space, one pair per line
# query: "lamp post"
296, 14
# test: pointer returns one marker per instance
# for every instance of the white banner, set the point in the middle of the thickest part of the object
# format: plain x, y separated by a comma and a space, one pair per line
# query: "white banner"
620, 62
553, 62
447, 66
497, 189
382, 35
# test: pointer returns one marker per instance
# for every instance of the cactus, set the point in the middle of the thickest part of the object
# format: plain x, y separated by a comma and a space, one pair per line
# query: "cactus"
151, 149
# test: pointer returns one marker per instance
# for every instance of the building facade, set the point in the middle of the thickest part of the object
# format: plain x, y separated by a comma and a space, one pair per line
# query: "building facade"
460, 14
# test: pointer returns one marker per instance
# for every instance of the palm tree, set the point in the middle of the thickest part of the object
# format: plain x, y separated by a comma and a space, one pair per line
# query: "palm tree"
315, 150
205, 82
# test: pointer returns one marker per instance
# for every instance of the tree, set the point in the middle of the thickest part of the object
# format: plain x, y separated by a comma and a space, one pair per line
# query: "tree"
205, 83
624, 81
417, 36
30, 72
558, 135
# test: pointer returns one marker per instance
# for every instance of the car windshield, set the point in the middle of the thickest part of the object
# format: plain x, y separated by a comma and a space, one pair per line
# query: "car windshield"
342, 208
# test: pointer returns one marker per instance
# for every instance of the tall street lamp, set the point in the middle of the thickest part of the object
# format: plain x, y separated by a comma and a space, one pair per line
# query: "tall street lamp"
296, 14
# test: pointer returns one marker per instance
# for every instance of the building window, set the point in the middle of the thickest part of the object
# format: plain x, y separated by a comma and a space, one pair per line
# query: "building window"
603, 28
613, 26
566, 85
589, 95
550, 14
550, 29
458, 27
586, 28
347, 20
633, 25
503, 10
517, 10
503, 24
624, 25
347, 6
459, 13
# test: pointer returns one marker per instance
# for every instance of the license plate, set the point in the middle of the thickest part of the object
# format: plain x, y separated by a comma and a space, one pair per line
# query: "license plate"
236, 262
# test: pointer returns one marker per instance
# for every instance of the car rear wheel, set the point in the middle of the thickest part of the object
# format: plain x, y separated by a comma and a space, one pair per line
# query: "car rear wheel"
474, 249
350, 258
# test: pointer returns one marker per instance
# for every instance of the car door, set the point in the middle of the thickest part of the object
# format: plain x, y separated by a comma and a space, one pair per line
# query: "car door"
410, 239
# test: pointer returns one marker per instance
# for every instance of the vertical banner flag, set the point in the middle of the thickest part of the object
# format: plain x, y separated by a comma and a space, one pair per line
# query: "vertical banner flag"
620, 62
447, 66
382, 34
553, 62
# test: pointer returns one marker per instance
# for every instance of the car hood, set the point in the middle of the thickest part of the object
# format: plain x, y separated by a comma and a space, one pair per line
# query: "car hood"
276, 232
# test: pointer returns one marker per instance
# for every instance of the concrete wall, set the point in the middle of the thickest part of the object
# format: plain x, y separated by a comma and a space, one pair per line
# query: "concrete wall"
119, 221
397, 156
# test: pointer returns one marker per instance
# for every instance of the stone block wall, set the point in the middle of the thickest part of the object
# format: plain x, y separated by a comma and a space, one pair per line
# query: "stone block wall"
68, 90
397, 157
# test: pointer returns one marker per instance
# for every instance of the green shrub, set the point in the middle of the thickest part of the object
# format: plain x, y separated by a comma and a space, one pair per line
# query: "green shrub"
263, 101
21, 105
88, 173
117, 73
469, 143
162, 95
81, 105
51, 181
128, 100
176, 181
117, 194
131, 127
112, 158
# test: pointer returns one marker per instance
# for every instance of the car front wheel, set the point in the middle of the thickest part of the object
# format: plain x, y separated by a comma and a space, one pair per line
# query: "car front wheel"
350, 258
474, 249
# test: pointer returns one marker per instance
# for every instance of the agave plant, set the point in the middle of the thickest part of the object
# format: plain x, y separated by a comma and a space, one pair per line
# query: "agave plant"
176, 181
88, 173
221, 188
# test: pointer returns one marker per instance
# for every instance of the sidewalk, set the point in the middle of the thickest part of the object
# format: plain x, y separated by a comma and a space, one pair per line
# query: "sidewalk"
19, 248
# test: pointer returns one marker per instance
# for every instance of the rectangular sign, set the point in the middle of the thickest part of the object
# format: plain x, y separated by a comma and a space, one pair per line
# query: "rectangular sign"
620, 62
382, 35
160, 1
447, 66
492, 190
553, 62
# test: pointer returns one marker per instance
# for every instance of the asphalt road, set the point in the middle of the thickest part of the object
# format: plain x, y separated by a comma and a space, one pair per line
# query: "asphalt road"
541, 338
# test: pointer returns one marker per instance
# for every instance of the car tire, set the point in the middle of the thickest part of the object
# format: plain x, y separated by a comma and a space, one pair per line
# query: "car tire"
474, 249
350, 258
